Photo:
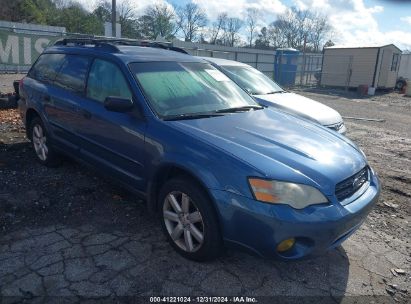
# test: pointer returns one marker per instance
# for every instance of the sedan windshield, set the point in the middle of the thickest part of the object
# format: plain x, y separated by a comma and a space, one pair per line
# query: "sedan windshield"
252, 80
185, 89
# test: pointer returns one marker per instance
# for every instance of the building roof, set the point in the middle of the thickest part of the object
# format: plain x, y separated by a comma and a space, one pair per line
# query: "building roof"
360, 47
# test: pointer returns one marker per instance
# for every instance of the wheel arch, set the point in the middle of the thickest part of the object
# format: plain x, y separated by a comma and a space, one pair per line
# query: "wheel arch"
30, 115
167, 172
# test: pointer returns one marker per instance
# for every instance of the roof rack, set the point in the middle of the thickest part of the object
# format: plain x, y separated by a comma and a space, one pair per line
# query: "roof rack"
111, 43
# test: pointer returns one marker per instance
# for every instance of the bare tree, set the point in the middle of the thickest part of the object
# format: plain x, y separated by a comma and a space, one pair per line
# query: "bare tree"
231, 29
298, 29
218, 27
275, 37
329, 43
158, 20
283, 29
127, 17
252, 22
190, 20
102, 10
319, 28
128, 20
263, 39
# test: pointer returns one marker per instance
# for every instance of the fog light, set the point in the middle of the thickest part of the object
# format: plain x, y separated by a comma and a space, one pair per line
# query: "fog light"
286, 245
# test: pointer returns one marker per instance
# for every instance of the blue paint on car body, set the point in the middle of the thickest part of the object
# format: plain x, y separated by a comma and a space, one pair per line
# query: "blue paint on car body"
221, 151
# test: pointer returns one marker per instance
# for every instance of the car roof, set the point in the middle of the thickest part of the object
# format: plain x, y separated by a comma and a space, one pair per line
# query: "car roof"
223, 62
126, 53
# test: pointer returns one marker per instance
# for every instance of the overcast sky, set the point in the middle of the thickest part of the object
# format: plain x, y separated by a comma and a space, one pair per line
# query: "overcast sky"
356, 22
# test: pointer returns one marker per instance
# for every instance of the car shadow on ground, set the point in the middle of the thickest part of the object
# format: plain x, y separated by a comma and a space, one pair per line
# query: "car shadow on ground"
69, 231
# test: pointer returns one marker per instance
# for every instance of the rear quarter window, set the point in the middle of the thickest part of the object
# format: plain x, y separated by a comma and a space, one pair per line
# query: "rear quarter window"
46, 67
73, 73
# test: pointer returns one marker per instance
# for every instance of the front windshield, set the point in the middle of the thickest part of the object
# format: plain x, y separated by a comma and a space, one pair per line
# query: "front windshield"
184, 88
252, 80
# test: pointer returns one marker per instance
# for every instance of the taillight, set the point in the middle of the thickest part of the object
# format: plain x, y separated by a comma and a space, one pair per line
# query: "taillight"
21, 82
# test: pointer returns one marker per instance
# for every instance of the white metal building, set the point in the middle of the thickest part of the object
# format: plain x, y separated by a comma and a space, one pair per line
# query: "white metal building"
375, 66
405, 66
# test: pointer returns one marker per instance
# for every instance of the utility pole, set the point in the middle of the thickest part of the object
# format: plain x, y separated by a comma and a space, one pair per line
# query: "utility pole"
113, 18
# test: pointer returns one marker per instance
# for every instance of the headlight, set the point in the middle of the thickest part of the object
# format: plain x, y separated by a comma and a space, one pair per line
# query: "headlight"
297, 196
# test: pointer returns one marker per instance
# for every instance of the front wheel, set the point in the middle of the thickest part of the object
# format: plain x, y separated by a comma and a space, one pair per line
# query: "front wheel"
41, 144
189, 221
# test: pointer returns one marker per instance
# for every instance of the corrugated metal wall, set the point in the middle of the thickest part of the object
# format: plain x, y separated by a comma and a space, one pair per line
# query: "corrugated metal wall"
263, 60
352, 67
36, 29
405, 66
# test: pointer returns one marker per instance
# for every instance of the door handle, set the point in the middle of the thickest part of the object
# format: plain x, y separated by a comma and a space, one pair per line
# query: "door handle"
86, 114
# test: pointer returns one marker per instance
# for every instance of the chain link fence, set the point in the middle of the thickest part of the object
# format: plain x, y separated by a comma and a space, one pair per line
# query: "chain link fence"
289, 70
20, 47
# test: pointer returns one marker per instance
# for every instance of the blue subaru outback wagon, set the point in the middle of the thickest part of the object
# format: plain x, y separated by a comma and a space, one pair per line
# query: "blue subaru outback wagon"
216, 167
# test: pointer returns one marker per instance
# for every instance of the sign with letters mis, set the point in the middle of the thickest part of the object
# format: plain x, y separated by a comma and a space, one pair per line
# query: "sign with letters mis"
21, 48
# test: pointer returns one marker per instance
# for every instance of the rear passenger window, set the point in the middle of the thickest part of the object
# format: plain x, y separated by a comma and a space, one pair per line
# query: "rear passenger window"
106, 79
47, 67
72, 75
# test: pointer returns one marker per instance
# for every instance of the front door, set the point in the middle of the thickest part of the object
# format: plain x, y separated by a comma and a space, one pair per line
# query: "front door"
110, 139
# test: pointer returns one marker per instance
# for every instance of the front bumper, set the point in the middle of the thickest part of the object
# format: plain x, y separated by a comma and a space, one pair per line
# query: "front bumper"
260, 227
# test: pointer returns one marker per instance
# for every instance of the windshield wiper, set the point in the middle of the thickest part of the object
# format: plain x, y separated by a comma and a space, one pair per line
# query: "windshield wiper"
275, 92
191, 116
239, 109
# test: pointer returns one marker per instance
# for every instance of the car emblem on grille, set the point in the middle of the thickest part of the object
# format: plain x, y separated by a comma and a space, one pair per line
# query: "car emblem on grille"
358, 181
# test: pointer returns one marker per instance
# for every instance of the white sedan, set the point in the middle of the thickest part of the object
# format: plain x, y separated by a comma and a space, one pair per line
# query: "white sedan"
269, 93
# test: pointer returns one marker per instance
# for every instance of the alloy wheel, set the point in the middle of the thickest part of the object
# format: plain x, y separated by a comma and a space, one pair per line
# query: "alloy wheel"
183, 221
40, 142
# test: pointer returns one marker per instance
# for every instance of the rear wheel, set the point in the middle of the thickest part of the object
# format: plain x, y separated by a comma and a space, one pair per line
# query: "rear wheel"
189, 220
45, 154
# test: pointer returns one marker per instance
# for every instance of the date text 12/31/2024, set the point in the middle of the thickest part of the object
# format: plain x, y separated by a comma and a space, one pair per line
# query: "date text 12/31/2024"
203, 299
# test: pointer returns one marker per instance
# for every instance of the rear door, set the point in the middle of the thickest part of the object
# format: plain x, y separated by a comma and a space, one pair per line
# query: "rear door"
67, 92
38, 85
114, 140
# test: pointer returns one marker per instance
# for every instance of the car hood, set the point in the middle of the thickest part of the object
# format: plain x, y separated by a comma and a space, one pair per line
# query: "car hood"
303, 106
280, 146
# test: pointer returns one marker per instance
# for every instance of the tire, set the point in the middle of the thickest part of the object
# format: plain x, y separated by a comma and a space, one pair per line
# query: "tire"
40, 140
189, 223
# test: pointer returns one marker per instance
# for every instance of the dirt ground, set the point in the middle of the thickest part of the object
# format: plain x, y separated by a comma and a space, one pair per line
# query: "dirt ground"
69, 232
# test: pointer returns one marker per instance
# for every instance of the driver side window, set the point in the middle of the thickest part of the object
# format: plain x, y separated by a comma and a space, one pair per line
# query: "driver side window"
106, 79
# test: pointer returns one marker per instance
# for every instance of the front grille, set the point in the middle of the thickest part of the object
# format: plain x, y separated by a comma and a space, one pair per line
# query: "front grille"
337, 126
349, 186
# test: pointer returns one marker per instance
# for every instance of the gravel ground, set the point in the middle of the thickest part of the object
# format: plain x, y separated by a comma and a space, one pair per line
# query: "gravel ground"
69, 232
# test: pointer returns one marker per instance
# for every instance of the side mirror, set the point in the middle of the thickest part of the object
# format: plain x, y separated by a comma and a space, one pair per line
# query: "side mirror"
118, 104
